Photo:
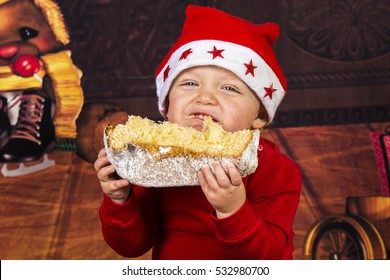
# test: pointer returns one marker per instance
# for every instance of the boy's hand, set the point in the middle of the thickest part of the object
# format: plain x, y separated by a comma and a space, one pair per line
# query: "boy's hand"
225, 191
112, 185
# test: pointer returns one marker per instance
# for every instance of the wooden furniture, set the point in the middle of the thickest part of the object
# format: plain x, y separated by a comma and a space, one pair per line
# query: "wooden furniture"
361, 233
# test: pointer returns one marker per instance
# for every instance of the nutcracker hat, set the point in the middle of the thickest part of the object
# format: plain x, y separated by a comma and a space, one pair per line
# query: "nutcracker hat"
53, 16
55, 19
213, 37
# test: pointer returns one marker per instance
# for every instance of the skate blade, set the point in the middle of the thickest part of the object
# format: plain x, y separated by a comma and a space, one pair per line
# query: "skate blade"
24, 170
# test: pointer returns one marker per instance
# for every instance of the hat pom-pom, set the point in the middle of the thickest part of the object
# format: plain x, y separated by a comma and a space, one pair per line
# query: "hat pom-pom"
269, 31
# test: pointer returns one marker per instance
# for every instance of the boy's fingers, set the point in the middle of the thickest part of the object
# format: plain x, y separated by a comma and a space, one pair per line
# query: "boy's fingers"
105, 173
122, 183
202, 178
101, 162
220, 175
209, 176
102, 152
235, 177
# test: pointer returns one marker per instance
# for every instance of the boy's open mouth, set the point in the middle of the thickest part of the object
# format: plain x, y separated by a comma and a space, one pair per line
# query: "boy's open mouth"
201, 116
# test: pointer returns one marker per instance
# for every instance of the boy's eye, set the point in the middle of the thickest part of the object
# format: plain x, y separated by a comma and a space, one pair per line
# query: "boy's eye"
189, 83
27, 33
230, 88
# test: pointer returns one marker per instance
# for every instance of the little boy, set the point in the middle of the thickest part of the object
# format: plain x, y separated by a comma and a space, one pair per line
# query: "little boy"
221, 66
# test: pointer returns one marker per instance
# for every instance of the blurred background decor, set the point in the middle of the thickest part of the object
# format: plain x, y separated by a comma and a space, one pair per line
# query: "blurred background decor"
336, 57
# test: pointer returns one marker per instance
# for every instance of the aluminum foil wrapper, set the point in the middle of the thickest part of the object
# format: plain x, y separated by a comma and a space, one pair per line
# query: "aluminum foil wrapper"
140, 167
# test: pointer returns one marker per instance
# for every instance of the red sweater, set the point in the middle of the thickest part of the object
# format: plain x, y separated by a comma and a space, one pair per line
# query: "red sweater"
179, 222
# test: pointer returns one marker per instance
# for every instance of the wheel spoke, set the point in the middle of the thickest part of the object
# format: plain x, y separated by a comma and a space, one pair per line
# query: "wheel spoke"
342, 236
332, 235
337, 244
352, 251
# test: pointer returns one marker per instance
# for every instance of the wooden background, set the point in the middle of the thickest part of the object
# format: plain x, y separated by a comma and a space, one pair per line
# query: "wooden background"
335, 55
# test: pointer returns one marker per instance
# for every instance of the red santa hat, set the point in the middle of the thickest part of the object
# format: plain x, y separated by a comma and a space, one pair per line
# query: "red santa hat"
213, 37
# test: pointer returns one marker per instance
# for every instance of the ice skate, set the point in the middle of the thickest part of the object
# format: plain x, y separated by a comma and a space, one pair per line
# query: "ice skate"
32, 136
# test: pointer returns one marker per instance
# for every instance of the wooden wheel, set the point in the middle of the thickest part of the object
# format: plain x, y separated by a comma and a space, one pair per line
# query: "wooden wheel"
344, 238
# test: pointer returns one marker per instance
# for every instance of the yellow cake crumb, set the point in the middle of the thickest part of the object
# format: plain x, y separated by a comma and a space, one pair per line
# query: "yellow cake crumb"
166, 139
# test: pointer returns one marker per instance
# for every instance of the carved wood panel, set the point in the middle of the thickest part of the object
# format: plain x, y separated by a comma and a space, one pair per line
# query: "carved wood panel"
335, 53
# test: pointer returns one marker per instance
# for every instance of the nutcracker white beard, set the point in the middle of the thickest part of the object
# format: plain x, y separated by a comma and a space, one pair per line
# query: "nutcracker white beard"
164, 154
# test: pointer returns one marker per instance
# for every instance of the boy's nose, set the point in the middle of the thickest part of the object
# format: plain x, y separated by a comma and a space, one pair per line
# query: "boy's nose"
7, 52
206, 97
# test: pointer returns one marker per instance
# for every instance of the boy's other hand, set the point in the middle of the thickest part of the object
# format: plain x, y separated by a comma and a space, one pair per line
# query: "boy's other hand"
112, 185
224, 190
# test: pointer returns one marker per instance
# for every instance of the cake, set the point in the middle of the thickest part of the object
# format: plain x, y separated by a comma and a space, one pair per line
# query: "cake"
160, 154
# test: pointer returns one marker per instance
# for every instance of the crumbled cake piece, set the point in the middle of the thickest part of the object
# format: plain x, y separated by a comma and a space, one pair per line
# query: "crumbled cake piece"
166, 139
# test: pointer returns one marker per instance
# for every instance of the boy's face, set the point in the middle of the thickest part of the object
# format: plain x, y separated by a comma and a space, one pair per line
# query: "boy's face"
215, 92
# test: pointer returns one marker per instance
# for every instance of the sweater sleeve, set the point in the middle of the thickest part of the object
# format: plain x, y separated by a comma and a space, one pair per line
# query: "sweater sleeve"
262, 227
128, 228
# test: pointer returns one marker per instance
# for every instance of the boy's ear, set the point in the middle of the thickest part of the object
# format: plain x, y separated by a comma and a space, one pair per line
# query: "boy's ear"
258, 123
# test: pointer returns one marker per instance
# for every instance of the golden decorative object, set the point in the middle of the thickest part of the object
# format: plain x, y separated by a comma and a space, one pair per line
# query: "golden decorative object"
11, 82
65, 77
55, 19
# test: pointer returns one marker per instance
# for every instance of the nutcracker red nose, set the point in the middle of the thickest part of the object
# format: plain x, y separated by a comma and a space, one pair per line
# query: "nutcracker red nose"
26, 66
7, 52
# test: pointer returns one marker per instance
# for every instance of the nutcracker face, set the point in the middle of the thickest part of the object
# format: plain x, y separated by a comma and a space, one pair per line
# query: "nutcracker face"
24, 31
